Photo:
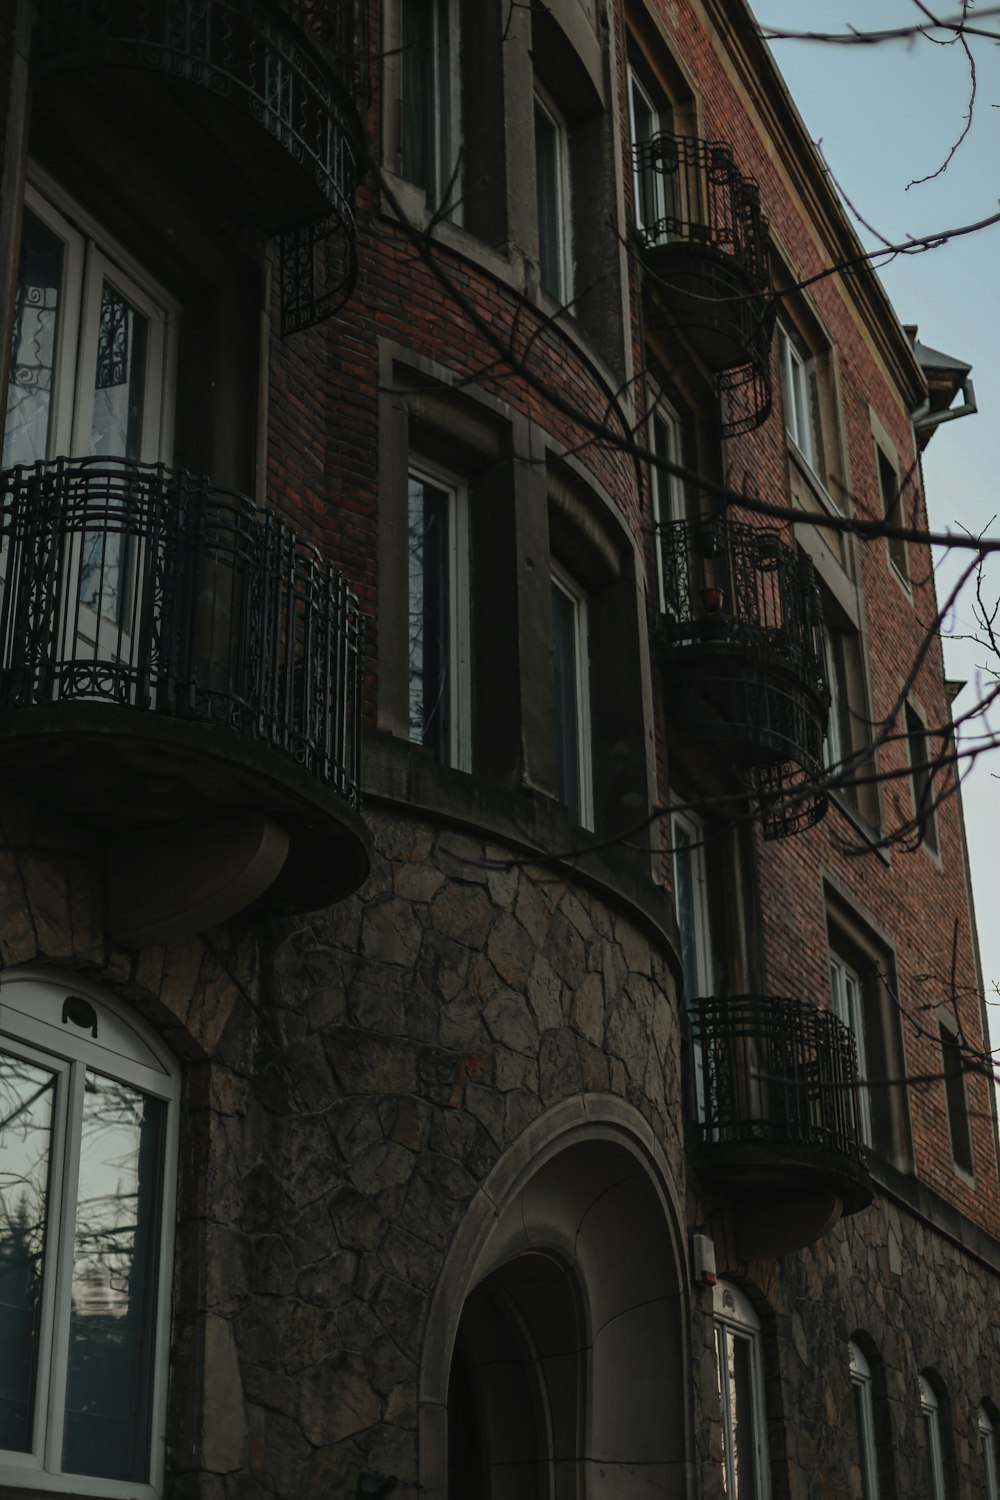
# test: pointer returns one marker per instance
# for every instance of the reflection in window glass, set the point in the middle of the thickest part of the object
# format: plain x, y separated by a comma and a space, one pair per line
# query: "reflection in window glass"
33, 344
737, 1335
572, 710
114, 1282
430, 616
85, 1227
861, 1384
27, 1100
549, 148
426, 131
932, 1431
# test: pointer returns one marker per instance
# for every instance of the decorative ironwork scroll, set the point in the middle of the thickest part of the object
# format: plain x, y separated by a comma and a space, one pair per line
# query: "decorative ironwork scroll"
741, 631
149, 588
776, 1071
706, 251
297, 67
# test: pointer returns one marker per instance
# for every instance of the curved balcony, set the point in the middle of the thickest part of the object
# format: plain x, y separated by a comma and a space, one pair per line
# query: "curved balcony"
777, 1117
181, 675
259, 99
704, 244
742, 652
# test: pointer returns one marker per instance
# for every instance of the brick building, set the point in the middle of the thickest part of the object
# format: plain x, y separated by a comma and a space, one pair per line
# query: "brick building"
442, 1119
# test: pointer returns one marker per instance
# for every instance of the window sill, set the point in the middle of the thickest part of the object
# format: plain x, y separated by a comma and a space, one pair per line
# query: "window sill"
869, 835
412, 204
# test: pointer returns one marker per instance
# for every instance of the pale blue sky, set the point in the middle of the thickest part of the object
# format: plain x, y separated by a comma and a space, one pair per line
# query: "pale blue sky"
887, 114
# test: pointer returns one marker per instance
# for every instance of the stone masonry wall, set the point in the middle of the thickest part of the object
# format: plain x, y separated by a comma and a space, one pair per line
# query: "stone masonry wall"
414, 1031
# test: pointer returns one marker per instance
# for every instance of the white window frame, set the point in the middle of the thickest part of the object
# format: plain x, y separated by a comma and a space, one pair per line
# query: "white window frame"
687, 835
636, 87
797, 382
861, 1381
666, 441
92, 255
929, 1406
30, 1027
445, 125
560, 209
736, 1319
568, 586
988, 1452
459, 614
848, 994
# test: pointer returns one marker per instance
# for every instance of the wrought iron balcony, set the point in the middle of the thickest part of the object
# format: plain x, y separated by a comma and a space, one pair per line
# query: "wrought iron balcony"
171, 657
264, 98
776, 1092
742, 651
705, 248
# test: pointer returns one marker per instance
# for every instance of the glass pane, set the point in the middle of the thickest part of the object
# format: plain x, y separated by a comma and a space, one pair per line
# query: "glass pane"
741, 1435
33, 344
27, 1100
430, 618
120, 377
548, 191
685, 898
862, 1416
116, 432
565, 658
426, 70
114, 1287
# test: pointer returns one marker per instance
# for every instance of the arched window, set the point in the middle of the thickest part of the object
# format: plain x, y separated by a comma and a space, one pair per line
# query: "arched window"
741, 1395
988, 1452
929, 1411
87, 1166
861, 1383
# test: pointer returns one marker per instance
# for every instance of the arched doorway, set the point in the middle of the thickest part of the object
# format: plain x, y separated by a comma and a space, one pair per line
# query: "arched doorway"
567, 1345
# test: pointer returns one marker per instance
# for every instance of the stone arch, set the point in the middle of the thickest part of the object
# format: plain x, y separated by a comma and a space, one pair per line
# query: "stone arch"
563, 1282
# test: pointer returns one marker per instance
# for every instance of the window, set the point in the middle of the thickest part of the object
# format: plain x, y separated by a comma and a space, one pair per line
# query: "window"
429, 107
864, 1412
846, 750
953, 1071
552, 198
921, 773
653, 189
89, 348
666, 440
929, 1411
741, 1395
799, 399
988, 1453
690, 876
439, 676
571, 672
88, 1152
687, 838
892, 509
863, 994
810, 404
848, 995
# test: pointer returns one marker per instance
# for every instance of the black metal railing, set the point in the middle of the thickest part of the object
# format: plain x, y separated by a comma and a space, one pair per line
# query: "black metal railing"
775, 1071
705, 246
298, 69
148, 588
741, 633
724, 580
692, 190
